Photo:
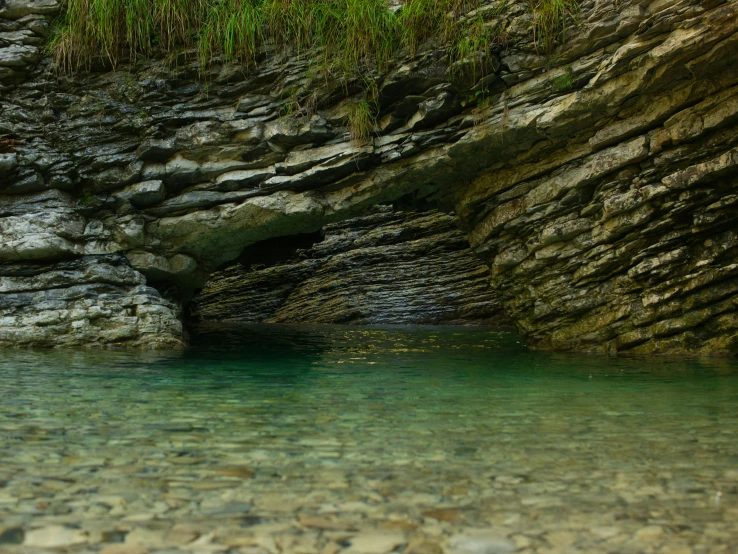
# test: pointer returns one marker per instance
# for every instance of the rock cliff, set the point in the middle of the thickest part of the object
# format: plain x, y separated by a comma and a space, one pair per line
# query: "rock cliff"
596, 182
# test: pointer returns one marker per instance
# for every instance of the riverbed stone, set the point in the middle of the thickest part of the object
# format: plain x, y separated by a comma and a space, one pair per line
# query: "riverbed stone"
375, 543
12, 535
480, 541
55, 536
124, 549
423, 546
345, 453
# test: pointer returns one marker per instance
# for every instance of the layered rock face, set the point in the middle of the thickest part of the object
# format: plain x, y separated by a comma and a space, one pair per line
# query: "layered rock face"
638, 250
596, 182
390, 266
93, 300
611, 226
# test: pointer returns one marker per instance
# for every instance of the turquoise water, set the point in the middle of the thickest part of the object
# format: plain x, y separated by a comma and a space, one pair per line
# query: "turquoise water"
262, 439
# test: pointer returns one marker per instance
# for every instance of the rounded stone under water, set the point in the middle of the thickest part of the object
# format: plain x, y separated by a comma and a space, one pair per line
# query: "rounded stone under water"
276, 439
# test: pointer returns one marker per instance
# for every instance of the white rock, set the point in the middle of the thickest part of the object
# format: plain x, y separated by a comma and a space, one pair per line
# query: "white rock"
15, 9
480, 542
375, 542
55, 536
17, 55
144, 194
145, 537
124, 549
650, 533
8, 162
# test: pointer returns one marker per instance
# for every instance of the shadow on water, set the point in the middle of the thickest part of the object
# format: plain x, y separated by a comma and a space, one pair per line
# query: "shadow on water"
290, 356
468, 384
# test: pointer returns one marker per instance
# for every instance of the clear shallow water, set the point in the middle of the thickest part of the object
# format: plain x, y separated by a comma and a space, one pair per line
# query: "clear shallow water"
267, 439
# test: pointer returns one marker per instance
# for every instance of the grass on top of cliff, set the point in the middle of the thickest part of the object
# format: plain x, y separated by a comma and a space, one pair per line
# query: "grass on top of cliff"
350, 33
550, 19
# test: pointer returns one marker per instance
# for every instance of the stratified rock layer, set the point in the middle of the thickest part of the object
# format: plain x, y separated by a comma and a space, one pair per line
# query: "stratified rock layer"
94, 300
611, 225
630, 249
597, 183
387, 267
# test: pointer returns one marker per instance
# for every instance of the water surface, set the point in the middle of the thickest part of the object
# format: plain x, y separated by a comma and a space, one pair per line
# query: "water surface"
267, 439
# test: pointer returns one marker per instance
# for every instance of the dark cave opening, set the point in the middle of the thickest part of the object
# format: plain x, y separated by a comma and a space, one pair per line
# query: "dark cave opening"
275, 250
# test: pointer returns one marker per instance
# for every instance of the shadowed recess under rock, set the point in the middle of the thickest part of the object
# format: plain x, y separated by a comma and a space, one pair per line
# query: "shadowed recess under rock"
386, 267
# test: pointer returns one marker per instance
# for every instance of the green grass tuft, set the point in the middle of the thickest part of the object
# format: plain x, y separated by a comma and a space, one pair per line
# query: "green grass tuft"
233, 29
362, 120
351, 34
420, 20
550, 19
472, 44
563, 82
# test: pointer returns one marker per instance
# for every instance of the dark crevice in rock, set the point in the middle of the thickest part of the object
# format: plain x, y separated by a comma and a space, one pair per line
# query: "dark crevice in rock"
277, 250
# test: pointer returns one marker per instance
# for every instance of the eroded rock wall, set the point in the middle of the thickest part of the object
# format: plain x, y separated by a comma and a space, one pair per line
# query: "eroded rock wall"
391, 266
630, 249
596, 182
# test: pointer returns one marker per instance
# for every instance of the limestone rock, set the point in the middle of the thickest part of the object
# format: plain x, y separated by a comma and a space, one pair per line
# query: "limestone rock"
375, 542
15, 55
479, 541
56, 536
124, 549
143, 194
8, 162
15, 9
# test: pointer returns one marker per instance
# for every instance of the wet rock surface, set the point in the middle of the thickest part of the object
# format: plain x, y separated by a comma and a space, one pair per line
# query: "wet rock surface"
391, 266
596, 183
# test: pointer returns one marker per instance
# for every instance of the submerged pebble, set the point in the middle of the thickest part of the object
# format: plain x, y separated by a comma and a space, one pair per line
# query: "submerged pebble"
365, 441
480, 542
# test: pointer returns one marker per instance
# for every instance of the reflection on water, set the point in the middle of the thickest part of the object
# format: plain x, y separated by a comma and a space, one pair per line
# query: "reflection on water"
323, 439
